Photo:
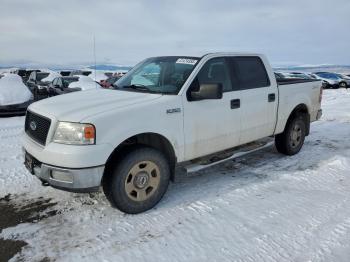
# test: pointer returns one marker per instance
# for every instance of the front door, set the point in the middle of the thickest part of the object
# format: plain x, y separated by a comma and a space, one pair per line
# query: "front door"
212, 125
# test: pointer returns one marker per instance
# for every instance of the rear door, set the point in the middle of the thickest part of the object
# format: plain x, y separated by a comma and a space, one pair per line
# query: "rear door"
258, 98
212, 125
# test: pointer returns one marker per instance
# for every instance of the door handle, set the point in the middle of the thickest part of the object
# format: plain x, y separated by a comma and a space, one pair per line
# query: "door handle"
235, 103
271, 97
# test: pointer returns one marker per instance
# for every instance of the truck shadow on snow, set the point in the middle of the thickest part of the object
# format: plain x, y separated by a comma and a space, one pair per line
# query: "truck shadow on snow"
16, 210
258, 167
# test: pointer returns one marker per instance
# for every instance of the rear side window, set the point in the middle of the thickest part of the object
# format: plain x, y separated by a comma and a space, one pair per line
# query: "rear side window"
251, 72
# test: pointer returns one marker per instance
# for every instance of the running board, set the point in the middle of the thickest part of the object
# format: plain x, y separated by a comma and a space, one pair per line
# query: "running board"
237, 152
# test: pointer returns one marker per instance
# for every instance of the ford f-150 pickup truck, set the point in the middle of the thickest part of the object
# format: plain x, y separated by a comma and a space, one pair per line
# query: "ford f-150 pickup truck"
164, 115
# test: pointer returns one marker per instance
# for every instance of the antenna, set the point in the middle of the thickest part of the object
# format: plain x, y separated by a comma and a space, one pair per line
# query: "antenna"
94, 54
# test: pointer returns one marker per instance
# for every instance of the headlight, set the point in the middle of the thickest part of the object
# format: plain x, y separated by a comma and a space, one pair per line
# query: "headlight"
74, 134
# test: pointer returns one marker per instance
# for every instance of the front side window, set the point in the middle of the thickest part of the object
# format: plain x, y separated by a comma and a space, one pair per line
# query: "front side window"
251, 72
158, 75
214, 71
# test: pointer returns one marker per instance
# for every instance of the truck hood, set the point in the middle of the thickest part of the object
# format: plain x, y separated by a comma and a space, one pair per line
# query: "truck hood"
76, 106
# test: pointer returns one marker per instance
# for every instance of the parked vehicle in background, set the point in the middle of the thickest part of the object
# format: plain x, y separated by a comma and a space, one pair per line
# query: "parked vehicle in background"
300, 75
67, 84
52, 75
25, 73
345, 81
331, 80
15, 96
167, 113
65, 72
109, 81
35, 78
38, 82
81, 72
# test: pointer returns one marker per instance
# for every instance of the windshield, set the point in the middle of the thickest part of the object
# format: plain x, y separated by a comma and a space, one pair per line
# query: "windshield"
164, 75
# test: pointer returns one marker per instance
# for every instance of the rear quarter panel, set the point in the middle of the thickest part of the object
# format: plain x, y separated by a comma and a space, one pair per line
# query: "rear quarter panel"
292, 95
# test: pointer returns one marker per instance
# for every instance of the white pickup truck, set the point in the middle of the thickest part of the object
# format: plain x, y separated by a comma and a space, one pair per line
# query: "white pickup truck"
167, 112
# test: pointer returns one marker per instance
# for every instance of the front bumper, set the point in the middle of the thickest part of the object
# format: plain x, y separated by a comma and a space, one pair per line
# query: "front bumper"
68, 179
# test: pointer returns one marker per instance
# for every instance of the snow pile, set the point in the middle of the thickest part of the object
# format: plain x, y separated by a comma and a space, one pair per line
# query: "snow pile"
52, 75
85, 83
13, 90
98, 76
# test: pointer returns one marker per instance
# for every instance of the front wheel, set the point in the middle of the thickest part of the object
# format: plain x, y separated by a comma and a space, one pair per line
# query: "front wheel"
139, 181
292, 139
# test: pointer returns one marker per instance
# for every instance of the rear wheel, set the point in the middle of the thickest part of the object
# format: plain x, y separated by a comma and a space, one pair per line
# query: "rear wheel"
342, 85
292, 139
138, 182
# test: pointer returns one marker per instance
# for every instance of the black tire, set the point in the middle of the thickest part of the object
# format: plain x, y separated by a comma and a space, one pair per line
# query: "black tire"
343, 85
289, 142
118, 182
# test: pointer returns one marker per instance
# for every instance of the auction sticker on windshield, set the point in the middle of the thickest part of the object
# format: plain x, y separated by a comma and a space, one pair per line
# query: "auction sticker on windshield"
186, 61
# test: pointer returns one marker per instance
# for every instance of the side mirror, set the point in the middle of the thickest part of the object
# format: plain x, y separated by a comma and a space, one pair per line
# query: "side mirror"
207, 91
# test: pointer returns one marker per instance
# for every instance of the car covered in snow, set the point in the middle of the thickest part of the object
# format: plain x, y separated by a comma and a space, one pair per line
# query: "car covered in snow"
80, 72
167, 115
67, 84
25, 73
15, 96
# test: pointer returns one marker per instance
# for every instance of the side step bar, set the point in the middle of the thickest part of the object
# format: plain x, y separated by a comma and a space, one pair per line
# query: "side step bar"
236, 152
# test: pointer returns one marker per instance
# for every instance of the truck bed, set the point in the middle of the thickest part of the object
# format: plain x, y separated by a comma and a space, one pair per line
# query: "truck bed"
289, 81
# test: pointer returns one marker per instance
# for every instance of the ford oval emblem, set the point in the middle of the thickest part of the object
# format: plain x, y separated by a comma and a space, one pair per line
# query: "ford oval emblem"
32, 125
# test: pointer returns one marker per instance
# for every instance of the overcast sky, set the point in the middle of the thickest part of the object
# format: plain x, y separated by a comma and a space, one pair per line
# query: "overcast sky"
61, 32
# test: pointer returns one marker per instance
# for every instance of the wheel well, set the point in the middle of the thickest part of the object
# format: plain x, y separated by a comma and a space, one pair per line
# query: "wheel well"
301, 109
153, 140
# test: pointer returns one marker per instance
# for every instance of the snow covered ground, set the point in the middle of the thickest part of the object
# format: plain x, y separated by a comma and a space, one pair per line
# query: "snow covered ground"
261, 207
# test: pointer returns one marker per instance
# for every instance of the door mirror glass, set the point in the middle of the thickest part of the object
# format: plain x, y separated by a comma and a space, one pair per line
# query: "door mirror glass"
207, 91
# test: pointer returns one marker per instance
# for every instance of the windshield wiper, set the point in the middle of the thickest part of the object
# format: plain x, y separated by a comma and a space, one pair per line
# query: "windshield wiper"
139, 87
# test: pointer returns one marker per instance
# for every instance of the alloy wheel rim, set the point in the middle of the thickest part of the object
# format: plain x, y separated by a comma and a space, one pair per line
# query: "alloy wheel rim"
142, 180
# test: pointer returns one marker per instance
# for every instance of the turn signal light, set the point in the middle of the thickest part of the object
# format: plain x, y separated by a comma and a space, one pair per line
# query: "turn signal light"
89, 132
